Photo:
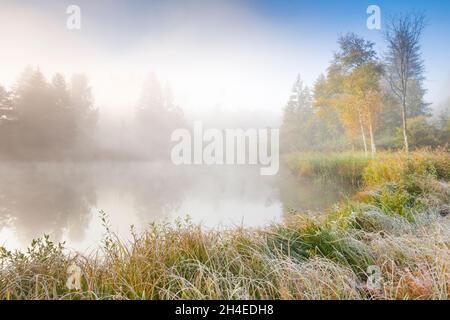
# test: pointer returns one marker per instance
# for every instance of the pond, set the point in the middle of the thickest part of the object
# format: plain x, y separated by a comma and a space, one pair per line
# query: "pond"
64, 199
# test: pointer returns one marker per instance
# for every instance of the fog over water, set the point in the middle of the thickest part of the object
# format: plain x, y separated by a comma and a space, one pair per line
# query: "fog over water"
64, 199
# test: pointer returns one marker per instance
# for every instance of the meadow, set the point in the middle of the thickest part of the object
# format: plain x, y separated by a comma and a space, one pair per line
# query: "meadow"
390, 241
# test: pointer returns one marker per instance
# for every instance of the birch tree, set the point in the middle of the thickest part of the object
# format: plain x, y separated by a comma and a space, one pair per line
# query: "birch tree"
403, 60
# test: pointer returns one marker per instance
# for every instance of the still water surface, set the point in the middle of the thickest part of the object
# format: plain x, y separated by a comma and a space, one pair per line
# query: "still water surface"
64, 199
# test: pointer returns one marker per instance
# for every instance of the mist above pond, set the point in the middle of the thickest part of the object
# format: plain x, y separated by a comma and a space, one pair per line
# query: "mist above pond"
64, 199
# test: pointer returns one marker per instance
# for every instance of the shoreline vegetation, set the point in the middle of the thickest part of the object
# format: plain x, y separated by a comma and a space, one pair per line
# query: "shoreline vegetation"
398, 225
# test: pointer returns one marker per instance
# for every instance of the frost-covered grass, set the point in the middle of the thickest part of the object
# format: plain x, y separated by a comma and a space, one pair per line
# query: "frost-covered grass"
399, 224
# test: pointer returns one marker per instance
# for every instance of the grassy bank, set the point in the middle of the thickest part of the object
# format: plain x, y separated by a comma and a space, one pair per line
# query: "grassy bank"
344, 167
397, 225
358, 169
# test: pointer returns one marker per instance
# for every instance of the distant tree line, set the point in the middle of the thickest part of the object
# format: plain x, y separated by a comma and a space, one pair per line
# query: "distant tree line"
41, 119
156, 117
365, 102
46, 119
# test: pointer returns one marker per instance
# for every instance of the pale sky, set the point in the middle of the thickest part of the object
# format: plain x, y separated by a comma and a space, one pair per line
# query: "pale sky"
231, 55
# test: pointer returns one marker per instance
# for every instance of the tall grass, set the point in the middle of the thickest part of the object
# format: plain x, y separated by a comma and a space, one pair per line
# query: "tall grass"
397, 224
357, 169
345, 167
393, 167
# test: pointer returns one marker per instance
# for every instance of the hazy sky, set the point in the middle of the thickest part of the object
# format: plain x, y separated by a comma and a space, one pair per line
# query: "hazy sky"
228, 55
